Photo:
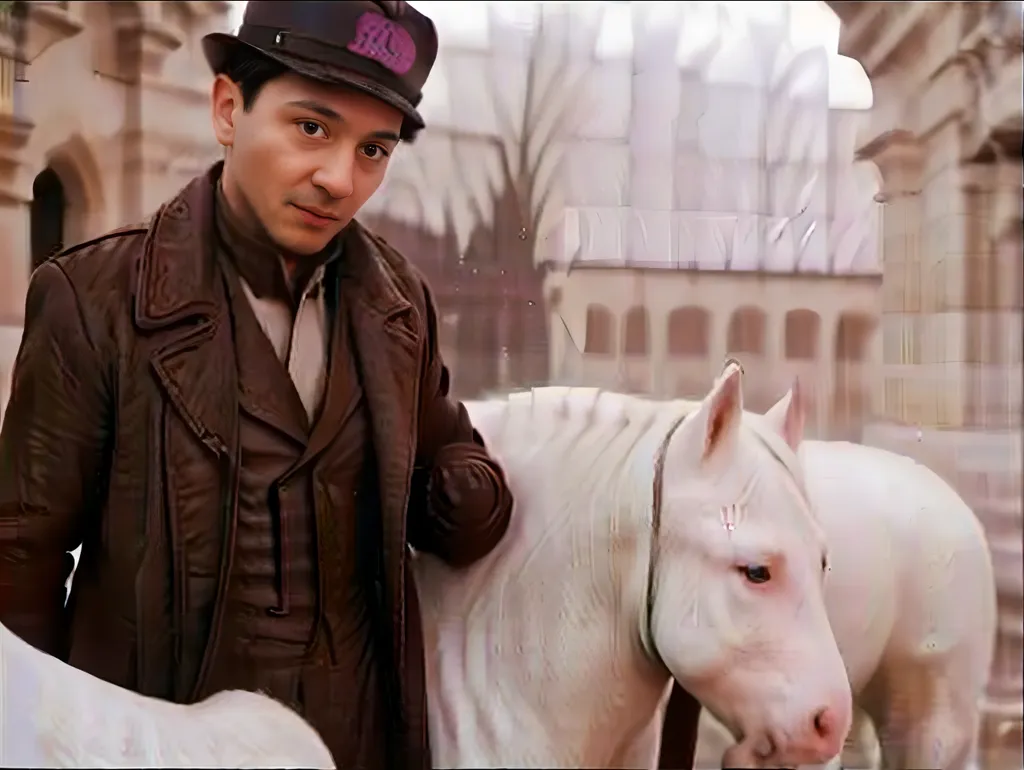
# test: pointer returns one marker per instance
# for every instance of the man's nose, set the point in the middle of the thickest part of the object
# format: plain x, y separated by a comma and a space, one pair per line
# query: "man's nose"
336, 177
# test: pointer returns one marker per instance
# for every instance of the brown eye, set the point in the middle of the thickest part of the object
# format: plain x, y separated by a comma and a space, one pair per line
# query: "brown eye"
756, 573
309, 128
375, 152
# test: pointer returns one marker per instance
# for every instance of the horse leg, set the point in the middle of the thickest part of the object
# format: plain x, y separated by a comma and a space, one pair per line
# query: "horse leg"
922, 720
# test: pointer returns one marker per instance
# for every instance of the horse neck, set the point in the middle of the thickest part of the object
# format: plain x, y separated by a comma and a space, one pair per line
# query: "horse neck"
579, 551
606, 504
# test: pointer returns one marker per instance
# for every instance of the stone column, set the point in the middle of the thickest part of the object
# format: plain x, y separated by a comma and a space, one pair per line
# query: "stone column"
15, 197
996, 390
167, 137
898, 156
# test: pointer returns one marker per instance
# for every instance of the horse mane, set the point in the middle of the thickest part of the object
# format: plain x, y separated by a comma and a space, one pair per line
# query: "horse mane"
606, 433
611, 437
616, 422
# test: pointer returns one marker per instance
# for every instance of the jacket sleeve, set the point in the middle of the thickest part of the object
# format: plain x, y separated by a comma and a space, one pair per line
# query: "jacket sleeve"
460, 504
52, 447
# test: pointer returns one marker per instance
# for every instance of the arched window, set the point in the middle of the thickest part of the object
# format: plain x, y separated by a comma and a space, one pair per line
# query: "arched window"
636, 332
746, 331
853, 332
49, 205
599, 330
803, 328
688, 331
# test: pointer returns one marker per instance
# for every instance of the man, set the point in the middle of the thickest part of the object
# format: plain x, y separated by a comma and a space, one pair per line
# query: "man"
240, 410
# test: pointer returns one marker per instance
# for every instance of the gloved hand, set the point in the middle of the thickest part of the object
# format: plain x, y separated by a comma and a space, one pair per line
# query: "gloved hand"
459, 480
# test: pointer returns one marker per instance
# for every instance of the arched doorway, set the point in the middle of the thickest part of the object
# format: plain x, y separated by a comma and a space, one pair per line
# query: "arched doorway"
850, 397
48, 210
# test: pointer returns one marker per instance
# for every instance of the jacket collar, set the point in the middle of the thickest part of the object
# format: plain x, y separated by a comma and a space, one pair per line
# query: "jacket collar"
178, 272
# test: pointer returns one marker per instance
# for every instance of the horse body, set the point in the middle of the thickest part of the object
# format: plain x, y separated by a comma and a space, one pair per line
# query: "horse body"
53, 715
511, 640
556, 650
911, 600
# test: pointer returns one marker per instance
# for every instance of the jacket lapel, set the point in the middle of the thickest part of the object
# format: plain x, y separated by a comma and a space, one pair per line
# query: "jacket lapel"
343, 393
388, 346
266, 391
180, 302
181, 311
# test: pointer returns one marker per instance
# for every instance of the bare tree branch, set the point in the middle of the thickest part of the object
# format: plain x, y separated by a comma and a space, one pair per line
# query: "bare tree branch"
527, 143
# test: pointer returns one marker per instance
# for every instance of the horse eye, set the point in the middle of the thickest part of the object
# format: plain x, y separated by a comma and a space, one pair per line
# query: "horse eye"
824, 564
756, 573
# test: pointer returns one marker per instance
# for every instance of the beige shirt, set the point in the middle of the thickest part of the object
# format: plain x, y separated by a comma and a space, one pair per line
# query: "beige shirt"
296, 323
300, 344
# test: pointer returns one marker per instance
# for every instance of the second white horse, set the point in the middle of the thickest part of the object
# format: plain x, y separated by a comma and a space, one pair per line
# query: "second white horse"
910, 596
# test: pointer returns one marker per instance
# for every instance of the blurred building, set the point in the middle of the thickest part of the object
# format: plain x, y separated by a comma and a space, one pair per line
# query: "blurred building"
722, 217
661, 139
104, 113
668, 332
946, 136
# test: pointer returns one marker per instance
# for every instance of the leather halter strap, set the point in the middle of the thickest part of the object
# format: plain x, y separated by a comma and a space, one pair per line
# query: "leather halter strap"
775, 446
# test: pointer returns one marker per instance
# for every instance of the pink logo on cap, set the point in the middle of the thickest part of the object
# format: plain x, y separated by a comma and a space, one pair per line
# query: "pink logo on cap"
380, 39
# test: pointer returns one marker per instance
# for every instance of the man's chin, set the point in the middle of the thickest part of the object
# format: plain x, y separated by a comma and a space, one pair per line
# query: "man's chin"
306, 244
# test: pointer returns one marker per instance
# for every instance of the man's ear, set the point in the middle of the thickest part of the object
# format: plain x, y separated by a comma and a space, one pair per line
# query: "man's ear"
226, 105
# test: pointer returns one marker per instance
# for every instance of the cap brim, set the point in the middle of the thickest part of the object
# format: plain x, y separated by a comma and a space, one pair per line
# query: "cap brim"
220, 47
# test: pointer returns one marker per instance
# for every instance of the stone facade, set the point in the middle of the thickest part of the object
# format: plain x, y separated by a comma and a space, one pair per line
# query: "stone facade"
104, 113
667, 333
645, 144
946, 136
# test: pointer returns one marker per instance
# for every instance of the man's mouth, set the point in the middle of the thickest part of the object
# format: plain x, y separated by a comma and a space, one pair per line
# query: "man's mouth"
315, 216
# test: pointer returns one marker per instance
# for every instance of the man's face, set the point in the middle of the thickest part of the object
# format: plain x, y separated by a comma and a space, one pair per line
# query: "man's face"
305, 158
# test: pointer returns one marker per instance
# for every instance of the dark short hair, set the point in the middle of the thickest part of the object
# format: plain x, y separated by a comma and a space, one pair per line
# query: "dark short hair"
252, 72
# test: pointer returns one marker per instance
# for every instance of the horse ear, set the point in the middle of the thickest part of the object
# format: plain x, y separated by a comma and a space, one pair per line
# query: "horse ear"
721, 412
789, 416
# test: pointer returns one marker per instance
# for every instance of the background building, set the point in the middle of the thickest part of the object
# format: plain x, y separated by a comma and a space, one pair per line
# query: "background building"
946, 135
623, 194
86, 145
655, 138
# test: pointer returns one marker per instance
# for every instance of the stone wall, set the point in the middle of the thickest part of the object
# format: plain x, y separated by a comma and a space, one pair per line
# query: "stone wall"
946, 135
114, 98
985, 468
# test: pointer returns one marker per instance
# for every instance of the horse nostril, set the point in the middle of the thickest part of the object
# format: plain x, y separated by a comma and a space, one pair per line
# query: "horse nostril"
823, 723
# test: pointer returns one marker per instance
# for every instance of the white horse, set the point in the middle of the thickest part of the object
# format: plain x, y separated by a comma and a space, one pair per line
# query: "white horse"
53, 715
643, 547
910, 597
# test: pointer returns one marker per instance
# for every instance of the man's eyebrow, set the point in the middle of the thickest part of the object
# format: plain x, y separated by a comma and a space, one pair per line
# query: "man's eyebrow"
320, 109
331, 114
386, 136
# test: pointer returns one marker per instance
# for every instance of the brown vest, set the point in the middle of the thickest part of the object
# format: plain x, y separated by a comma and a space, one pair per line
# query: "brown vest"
298, 610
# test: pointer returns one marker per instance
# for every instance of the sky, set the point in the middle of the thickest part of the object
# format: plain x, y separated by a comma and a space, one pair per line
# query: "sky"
811, 24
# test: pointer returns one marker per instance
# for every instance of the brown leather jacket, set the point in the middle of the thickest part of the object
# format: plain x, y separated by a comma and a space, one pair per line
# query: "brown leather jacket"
121, 434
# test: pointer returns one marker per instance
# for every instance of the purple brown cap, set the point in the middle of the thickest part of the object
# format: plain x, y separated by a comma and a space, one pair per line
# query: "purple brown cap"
385, 49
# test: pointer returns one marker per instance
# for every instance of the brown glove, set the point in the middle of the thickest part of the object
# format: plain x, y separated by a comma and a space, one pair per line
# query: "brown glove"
459, 479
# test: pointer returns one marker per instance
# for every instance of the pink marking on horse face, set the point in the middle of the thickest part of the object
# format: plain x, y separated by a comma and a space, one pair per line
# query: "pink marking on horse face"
729, 516
381, 40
